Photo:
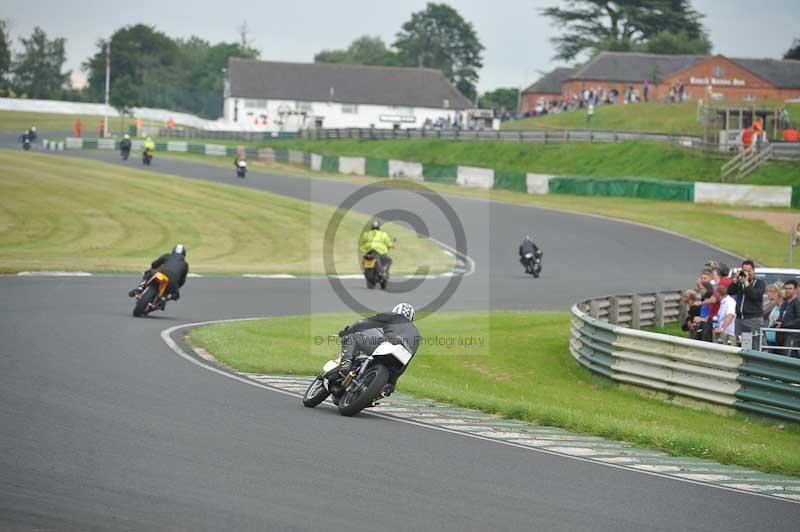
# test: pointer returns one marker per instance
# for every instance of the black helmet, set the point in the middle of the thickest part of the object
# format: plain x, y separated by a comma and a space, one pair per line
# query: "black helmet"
376, 224
179, 249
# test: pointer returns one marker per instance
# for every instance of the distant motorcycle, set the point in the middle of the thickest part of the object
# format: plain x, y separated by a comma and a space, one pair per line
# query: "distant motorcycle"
147, 157
362, 387
26, 144
241, 169
125, 153
373, 270
533, 263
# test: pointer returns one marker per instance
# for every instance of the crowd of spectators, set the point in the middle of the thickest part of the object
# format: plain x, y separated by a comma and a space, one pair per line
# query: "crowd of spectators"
722, 307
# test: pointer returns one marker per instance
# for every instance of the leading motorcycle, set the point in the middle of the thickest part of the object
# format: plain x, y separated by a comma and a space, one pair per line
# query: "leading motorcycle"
241, 169
362, 386
373, 270
151, 295
533, 263
147, 157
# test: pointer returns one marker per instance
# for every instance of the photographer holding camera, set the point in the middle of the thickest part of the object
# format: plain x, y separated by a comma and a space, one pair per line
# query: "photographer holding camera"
749, 293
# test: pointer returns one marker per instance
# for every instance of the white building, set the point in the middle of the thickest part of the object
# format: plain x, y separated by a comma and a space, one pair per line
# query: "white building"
280, 96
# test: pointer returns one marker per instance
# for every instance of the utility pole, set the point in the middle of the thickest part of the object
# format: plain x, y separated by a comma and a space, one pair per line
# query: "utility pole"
108, 83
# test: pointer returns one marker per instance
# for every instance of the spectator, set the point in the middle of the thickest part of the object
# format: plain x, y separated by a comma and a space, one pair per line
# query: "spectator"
706, 276
750, 296
725, 329
772, 311
646, 90
681, 92
691, 299
589, 112
724, 274
77, 128
704, 322
789, 318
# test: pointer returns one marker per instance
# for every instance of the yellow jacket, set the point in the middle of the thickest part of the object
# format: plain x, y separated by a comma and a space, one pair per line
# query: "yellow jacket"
149, 144
375, 239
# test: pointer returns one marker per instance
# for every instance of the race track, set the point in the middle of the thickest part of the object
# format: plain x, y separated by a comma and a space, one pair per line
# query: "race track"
105, 428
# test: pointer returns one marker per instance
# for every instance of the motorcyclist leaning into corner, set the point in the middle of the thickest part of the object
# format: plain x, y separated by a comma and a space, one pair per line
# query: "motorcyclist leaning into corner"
365, 335
379, 241
125, 143
175, 267
527, 246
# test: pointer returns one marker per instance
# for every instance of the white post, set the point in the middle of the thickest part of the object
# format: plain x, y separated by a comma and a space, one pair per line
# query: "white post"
108, 83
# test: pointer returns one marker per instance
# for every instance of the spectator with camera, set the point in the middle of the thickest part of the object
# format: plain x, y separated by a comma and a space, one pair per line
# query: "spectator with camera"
749, 293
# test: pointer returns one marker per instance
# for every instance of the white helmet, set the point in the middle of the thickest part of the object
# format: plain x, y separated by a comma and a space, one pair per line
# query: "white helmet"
405, 309
126, 136
179, 249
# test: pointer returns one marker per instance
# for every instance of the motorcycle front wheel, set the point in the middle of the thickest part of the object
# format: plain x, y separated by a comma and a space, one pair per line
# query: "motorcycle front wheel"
372, 383
315, 394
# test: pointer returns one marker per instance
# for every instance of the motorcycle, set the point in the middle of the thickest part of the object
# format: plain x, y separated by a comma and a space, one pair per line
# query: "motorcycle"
26, 144
241, 168
362, 387
150, 295
125, 153
373, 270
533, 263
147, 157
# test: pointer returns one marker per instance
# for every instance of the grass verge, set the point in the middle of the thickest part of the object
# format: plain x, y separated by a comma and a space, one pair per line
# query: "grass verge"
60, 213
22, 120
522, 371
654, 117
601, 160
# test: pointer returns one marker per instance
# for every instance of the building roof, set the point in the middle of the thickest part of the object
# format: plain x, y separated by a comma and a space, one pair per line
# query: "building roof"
551, 82
358, 84
781, 73
635, 67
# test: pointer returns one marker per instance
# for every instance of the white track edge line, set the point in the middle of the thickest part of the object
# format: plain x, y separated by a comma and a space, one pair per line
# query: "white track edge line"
166, 335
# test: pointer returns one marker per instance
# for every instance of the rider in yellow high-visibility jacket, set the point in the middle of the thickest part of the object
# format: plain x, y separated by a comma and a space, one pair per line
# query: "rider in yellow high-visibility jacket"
149, 144
379, 241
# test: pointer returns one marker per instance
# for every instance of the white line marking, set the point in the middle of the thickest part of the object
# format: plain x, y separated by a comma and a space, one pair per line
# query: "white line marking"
193, 275
269, 276
54, 274
166, 335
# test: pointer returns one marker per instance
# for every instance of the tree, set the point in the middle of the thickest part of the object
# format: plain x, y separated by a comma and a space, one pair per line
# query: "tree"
438, 37
502, 98
37, 69
5, 50
794, 51
365, 50
623, 25
668, 43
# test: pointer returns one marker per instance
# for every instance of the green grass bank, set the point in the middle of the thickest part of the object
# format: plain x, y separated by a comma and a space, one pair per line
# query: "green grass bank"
522, 371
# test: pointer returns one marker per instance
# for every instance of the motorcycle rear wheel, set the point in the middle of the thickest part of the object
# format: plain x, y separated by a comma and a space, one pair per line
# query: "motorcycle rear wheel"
141, 305
315, 394
355, 401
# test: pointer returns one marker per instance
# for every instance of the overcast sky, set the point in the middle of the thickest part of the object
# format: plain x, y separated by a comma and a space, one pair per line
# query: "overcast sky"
516, 37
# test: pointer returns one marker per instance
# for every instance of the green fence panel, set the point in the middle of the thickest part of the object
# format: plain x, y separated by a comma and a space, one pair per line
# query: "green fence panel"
161, 146
795, 197
196, 148
281, 155
439, 173
330, 164
508, 180
231, 150
89, 144
376, 167
627, 187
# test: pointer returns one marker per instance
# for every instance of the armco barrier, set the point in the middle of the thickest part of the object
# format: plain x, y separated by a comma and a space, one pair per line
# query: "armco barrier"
756, 382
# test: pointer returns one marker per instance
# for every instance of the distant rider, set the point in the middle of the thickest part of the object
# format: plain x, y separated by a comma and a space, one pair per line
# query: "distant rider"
175, 267
379, 241
365, 335
32, 135
527, 246
149, 145
125, 144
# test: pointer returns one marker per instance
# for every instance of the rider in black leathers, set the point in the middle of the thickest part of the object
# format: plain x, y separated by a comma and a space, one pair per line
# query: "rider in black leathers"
174, 265
527, 246
365, 335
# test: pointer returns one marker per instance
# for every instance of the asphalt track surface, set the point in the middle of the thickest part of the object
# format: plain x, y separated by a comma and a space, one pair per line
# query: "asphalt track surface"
103, 427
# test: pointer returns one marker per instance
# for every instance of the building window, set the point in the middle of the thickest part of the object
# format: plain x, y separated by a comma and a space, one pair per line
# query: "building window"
717, 71
303, 107
349, 108
446, 103
405, 111
255, 104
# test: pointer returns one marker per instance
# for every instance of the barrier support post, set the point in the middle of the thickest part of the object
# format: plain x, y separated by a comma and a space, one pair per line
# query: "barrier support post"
636, 312
661, 307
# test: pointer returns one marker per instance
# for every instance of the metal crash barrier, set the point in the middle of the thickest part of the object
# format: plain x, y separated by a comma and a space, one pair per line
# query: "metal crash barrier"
758, 382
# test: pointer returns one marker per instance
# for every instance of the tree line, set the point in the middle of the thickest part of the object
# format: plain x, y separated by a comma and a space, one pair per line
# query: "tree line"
149, 68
